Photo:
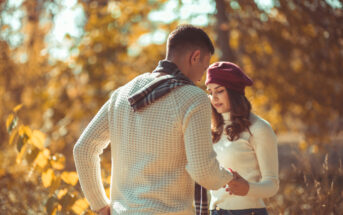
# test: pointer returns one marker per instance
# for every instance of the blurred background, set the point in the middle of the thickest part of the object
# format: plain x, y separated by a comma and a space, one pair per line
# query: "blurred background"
61, 59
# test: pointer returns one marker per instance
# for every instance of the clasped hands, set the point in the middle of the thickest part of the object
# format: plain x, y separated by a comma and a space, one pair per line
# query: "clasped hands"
238, 185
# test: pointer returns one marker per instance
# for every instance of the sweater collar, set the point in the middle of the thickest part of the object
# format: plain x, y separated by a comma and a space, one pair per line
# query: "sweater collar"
226, 117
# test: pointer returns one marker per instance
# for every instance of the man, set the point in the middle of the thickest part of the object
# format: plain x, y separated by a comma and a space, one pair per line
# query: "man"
159, 128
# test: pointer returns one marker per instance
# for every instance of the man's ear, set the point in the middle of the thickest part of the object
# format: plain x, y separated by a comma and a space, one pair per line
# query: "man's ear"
195, 56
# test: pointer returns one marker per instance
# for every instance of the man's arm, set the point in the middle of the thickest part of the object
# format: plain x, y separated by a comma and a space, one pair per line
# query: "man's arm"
202, 164
86, 152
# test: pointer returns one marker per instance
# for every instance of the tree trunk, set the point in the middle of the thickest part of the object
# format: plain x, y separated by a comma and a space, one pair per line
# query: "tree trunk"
223, 34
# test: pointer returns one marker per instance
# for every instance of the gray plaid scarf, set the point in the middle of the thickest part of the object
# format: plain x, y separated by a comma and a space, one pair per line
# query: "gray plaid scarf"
200, 200
155, 90
160, 86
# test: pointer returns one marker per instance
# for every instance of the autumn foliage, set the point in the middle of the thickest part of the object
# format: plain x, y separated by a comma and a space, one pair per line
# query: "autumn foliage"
292, 51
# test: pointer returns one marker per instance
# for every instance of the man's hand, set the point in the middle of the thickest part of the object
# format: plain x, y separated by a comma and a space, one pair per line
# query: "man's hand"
238, 185
104, 211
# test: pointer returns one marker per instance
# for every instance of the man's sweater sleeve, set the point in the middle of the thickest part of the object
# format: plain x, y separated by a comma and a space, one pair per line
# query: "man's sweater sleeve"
264, 142
202, 164
86, 152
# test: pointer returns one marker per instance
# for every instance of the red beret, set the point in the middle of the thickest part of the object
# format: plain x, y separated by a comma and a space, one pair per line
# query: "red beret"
228, 75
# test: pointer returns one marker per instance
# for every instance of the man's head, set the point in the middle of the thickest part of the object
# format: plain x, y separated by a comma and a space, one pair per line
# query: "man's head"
190, 49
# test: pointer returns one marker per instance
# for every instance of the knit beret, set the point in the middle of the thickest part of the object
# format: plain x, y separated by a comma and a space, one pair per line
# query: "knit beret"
228, 75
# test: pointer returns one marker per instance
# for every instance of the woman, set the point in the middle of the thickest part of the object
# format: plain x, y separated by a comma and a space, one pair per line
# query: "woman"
243, 141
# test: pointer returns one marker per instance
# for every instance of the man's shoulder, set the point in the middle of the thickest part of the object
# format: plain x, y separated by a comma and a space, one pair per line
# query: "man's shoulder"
191, 91
190, 96
137, 82
132, 86
142, 78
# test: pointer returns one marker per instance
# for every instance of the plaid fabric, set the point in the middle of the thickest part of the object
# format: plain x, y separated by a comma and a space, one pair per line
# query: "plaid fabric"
159, 87
200, 199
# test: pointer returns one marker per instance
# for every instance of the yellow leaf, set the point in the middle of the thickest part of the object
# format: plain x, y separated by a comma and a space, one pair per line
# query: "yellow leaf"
37, 139
70, 178
61, 193
58, 161
21, 153
55, 184
54, 212
80, 205
13, 137
42, 158
18, 107
25, 131
303, 145
47, 177
9, 120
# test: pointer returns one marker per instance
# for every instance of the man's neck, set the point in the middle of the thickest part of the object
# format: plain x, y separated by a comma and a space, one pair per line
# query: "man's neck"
179, 62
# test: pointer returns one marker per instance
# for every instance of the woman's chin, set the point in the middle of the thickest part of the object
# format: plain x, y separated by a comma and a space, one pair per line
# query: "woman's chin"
220, 111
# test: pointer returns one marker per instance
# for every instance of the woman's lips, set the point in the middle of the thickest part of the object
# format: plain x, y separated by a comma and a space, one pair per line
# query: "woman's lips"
217, 105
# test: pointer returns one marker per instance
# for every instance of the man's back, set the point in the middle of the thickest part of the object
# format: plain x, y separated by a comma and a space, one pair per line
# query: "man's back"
157, 152
148, 151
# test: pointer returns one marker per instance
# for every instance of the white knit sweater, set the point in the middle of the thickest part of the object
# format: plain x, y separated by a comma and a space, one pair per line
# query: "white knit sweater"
255, 158
157, 152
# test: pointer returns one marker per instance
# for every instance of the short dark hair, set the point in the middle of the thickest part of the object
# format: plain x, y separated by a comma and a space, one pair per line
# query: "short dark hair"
186, 37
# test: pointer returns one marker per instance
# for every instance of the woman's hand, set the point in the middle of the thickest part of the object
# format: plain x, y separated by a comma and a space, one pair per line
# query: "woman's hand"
104, 211
238, 185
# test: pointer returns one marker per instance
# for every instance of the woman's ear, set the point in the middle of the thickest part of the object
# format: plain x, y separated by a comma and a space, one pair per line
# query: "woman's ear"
195, 56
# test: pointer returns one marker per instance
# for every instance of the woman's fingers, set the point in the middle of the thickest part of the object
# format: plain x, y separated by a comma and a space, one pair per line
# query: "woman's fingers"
229, 190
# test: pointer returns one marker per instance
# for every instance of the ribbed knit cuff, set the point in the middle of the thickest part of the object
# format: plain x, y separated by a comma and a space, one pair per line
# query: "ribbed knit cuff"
98, 204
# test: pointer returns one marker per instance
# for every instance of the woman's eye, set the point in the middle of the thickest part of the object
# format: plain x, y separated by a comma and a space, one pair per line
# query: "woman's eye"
220, 91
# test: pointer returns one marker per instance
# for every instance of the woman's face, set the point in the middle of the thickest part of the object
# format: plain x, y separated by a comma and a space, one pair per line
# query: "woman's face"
219, 97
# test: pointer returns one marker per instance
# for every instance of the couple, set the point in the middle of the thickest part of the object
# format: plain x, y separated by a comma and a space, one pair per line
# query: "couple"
161, 135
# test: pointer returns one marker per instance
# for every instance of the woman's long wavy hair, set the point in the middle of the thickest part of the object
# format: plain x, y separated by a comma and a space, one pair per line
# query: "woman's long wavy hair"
240, 109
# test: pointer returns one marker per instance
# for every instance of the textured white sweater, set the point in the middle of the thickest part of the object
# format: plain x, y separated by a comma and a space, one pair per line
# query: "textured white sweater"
255, 158
157, 152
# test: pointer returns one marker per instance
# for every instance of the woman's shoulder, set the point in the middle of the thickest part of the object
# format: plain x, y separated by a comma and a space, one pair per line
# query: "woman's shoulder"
258, 124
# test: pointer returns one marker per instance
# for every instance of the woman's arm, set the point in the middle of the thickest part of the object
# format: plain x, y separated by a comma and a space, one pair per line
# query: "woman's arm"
264, 142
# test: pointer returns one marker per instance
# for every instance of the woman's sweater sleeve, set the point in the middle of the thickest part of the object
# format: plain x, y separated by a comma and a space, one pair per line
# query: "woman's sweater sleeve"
264, 142
86, 152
